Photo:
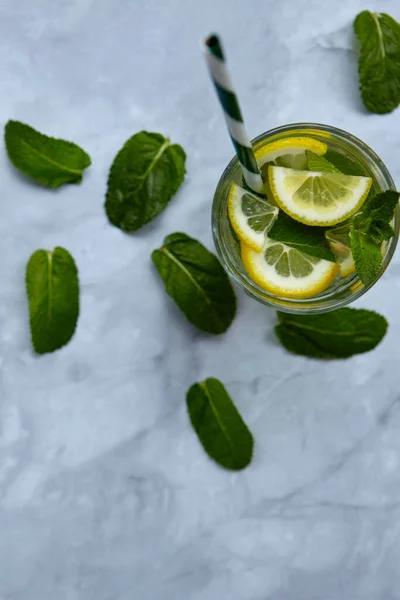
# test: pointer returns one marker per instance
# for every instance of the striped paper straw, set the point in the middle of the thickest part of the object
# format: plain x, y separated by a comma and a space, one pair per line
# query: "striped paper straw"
233, 116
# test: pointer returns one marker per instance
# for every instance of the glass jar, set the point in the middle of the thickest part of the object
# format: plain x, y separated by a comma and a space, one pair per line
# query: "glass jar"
343, 290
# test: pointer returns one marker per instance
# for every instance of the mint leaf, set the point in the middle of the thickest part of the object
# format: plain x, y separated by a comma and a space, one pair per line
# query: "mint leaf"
379, 60
144, 176
381, 207
294, 340
319, 163
291, 161
381, 231
369, 228
53, 293
50, 161
219, 426
366, 255
302, 237
344, 163
337, 334
362, 222
196, 281
339, 234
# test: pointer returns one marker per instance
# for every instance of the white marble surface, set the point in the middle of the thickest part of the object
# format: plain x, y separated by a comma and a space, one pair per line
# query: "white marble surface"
105, 492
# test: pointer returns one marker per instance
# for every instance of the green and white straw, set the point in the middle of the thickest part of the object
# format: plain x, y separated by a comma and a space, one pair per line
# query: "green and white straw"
233, 116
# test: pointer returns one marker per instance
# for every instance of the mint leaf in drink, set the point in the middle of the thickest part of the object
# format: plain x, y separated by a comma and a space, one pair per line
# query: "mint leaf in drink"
382, 231
53, 293
196, 281
319, 163
49, 161
381, 207
368, 230
291, 161
344, 163
302, 237
219, 426
337, 334
366, 255
379, 61
361, 222
339, 234
145, 174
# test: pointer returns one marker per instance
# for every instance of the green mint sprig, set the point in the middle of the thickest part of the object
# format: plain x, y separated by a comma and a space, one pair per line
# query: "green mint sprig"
53, 294
367, 232
379, 60
337, 334
344, 163
49, 161
301, 237
320, 163
197, 282
145, 174
220, 428
334, 162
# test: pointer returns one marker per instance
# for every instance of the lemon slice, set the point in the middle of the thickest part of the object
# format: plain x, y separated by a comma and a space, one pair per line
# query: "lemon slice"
339, 241
287, 272
289, 152
317, 198
251, 217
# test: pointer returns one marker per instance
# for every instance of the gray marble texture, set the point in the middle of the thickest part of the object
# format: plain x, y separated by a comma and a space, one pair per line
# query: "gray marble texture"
105, 491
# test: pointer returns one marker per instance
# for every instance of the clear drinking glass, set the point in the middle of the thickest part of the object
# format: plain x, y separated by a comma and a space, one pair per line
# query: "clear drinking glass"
343, 290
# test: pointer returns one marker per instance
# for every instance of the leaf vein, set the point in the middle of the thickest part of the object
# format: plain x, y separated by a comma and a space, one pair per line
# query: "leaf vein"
215, 412
52, 162
50, 290
186, 271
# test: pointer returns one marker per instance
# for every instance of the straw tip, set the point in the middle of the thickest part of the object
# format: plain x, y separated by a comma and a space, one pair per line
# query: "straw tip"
213, 43
211, 40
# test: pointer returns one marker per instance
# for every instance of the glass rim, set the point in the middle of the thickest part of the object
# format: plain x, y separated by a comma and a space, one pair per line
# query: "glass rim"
316, 304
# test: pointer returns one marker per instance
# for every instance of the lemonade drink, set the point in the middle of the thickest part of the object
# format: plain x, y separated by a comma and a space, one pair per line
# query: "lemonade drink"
317, 179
